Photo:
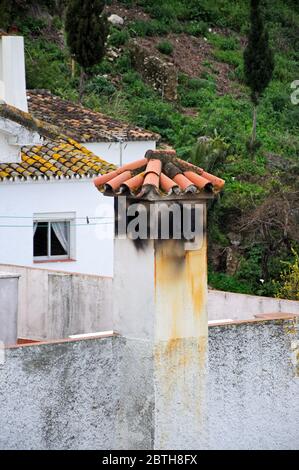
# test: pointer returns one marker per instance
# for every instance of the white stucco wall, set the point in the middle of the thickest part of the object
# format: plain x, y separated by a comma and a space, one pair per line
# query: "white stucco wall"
93, 244
228, 305
92, 247
13, 137
111, 151
99, 393
12, 72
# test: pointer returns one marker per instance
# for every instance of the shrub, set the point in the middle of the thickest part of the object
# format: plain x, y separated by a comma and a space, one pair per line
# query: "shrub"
165, 47
149, 28
118, 37
32, 26
222, 281
99, 84
224, 43
288, 288
209, 152
123, 63
46, 66
196, 28
229, 57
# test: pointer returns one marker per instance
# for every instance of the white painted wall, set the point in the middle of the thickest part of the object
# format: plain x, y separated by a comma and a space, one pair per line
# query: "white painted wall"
228, 305
93, 248
54, 305
13, 137
111, 151
12, 72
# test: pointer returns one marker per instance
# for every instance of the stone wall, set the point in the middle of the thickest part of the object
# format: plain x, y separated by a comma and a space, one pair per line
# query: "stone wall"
161, 75
100, 393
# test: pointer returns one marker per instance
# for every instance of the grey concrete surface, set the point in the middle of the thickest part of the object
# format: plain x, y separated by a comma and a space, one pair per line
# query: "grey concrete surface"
253, 386
59, 396
102, 393
8, 307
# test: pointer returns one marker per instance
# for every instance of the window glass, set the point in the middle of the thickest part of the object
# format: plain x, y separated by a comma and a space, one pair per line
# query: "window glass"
59, 238
51, 239
40, 239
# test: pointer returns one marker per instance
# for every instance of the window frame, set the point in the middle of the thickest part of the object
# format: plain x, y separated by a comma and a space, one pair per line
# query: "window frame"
49, 219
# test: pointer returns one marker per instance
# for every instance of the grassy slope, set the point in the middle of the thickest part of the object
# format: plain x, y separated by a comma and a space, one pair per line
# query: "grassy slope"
123, 94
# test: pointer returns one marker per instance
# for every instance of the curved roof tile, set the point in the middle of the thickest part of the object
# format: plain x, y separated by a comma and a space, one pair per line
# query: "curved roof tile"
160, 174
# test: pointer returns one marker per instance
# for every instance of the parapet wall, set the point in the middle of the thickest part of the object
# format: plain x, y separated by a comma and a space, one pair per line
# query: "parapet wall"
53, 305
100, 393
224, 305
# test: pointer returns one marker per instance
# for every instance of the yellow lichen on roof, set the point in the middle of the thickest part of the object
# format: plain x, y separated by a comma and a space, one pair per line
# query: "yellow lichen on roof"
57, 158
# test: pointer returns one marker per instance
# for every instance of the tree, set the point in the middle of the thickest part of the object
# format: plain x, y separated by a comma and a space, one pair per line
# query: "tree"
258, 61
86, 31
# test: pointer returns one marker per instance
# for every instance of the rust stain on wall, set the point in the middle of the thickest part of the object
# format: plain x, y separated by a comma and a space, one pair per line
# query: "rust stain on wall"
181, 323
196, 266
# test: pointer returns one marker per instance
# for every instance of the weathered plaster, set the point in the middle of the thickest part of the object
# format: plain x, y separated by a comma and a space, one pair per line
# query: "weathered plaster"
100, 394
223, 305
8, 307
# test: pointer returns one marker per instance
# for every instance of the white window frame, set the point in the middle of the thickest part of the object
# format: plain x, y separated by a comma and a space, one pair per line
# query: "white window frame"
69, 217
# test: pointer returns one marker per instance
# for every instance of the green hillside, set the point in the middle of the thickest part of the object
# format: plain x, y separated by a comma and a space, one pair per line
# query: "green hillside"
254, 225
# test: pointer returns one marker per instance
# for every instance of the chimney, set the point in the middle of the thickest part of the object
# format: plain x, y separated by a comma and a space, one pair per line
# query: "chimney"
160, 298
12, 72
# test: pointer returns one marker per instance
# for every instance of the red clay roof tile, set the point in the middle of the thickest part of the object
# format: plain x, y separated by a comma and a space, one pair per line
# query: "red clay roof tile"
134, 183
167, 184
160, 173
114, 183
154, 166
151, 179
81, 123
198, 180
183, 182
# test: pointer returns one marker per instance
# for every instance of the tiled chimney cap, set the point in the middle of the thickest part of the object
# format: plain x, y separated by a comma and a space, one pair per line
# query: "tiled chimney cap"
159, 175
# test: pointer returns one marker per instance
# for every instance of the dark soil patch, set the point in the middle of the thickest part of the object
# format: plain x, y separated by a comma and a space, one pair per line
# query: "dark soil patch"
127, 13
193, 56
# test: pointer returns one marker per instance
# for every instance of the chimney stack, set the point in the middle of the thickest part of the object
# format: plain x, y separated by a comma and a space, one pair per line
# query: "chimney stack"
160, 298
12, 72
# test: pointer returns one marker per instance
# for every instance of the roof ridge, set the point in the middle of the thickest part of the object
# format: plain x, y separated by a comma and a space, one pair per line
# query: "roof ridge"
27, 120
159, 174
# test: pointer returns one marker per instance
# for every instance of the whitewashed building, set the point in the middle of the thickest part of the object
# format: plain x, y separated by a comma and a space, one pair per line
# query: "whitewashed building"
49, 214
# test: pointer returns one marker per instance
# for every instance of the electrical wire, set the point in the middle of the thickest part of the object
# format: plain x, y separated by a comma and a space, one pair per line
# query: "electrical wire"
45, 225
40, 224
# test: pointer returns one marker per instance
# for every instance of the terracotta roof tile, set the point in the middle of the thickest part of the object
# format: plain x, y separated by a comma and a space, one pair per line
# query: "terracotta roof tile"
82, 124
58, 156
40, 164
160, 174
114, 183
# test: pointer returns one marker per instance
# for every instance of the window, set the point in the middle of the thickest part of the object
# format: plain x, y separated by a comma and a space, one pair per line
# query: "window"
52, 239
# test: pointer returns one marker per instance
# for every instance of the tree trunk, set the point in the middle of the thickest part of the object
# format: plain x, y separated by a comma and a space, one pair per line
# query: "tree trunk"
73, 67
253, 133
81, 85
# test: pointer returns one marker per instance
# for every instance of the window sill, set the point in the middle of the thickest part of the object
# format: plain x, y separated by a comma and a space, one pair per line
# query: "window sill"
69, 260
